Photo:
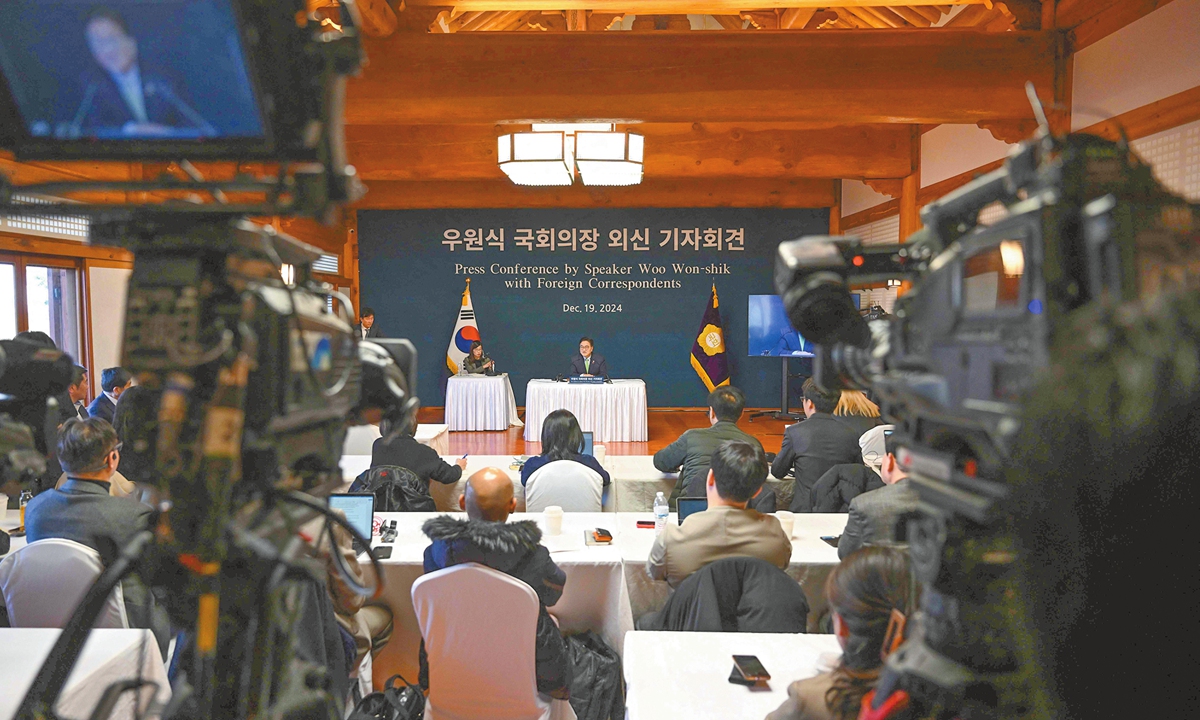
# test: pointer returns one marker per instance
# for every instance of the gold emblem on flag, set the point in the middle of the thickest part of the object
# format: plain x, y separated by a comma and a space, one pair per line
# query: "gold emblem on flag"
712, 341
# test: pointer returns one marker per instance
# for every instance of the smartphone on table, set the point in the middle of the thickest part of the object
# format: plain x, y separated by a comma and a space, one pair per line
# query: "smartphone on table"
751, 668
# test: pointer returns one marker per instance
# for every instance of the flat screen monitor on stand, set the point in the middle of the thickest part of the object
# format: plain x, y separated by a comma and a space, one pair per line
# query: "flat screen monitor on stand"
769, 334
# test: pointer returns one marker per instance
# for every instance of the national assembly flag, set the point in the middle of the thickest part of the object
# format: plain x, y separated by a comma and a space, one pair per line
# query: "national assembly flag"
708, 352
465, 331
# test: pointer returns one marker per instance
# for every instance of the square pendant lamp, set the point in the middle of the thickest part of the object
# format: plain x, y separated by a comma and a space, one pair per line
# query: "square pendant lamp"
551, 154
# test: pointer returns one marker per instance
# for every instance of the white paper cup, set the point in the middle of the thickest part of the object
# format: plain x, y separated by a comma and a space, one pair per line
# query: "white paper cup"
787, 521
598, 452
553, 516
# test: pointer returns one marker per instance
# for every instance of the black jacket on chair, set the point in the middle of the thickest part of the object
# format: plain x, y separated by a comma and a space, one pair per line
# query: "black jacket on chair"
598, 367
809, 449
841, 484
514, 549
404, 451
737, 594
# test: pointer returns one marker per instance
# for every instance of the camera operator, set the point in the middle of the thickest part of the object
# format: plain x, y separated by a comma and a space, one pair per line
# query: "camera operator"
1105, 495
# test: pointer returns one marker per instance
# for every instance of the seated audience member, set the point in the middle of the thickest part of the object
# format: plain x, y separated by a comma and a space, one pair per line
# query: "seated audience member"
873, 515
369, 623
83, 510
727, 528
512, 548
842, 483
814, 445
404, 451
113, 382
871, 594
691, 453
855, 409
78, 391
764, 500
561, 440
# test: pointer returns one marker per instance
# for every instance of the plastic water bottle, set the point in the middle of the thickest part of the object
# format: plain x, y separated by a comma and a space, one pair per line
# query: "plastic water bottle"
661, 511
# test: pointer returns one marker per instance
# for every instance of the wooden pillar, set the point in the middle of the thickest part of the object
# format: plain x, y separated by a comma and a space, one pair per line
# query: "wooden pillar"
1049, 11
350, 257
910, 218
835, 211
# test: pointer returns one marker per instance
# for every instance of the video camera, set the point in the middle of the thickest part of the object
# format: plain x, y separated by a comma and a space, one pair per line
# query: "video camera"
1085, 223
32, 380
251, 378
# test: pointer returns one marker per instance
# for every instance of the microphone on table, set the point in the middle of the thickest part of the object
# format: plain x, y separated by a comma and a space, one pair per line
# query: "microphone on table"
607, 379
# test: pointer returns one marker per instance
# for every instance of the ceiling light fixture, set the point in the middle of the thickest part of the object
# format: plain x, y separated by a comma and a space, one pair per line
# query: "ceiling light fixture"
551, 154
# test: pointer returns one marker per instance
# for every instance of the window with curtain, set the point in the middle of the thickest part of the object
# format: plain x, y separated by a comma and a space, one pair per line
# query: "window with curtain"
42, 293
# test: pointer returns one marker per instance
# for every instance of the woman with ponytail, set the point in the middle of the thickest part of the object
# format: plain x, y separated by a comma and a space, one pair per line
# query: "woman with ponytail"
871, 594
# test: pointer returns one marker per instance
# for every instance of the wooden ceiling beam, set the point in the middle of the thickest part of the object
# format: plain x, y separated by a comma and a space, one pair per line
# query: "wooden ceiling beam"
669, 193
850, 19
843, 77
796, 18
1116, 16
929, 12
912, 16
468, 152
668, 7
867, 17
378, 18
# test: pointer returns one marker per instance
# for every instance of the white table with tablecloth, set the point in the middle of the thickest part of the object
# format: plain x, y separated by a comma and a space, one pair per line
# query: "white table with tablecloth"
636, 481
812, 559
108, 656
446, 496
682, 676
361, 438
480, 402
607, 586
595, 596
612, 412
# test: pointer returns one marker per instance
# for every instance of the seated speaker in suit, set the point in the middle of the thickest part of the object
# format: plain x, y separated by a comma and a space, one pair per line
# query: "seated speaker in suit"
477, 362
728, 527
123, 97
82, 509
814, 445
586, 362
873, 514
113, 382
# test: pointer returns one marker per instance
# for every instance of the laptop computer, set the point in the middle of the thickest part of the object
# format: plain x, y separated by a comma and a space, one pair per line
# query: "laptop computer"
360, 512
688, 506
587, 444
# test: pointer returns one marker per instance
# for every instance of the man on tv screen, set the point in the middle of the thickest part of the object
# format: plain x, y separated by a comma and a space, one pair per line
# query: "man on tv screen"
121, 97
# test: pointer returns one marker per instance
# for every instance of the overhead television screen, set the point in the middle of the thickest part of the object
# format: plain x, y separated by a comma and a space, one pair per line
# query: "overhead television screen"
770, 334
128, 70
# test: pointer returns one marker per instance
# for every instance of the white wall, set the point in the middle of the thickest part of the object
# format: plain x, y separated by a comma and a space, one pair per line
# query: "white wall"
1153, 58
108, 287
857, 196
949, 150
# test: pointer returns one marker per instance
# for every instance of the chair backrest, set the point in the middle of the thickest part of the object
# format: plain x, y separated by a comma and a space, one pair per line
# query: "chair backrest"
44, 581
573, 486
480, 630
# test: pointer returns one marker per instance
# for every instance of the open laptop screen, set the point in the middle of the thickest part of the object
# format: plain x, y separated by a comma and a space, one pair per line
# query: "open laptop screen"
587, 444
359, 509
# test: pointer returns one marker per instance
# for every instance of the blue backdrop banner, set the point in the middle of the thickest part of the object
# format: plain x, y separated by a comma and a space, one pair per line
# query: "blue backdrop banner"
635, 280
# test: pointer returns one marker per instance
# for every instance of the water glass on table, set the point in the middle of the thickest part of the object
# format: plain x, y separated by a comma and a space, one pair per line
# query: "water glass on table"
553, 516
787, 521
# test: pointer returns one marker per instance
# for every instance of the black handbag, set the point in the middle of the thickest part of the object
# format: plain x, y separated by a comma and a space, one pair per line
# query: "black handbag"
396, 489
394, 703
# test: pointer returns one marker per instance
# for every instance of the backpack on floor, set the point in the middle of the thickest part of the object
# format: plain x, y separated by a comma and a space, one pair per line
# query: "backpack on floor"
396, 489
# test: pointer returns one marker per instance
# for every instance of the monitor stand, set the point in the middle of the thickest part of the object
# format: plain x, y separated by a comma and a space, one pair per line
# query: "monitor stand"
783, 412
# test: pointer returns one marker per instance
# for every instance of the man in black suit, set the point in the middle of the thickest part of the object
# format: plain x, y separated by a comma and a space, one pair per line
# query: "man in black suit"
123, 98
366, 325
814, 445
113, 382
78, 390
588, 363
83, 510
873, 514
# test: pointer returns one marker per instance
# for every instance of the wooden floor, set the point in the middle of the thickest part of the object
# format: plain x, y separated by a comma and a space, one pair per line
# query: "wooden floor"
664, 425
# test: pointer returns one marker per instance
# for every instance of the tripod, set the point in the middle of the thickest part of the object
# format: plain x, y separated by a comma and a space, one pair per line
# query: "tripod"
783, 413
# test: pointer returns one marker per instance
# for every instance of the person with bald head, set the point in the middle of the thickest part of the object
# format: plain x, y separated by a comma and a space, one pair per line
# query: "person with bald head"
484, 536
